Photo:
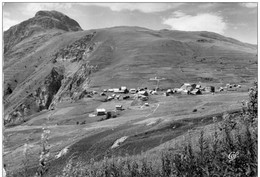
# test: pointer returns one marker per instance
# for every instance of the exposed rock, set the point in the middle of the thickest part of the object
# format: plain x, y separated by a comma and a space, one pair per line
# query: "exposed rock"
40, 99
77, 50
75, 86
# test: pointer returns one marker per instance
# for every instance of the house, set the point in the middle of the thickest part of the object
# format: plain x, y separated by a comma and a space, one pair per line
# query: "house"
109, 98
175, 90
169, 91
198, 86
210, 89
119, 91
132, 90
154, 93
119, 107
143, 98
187, 86
123, 88
195, 92
101, 112
145, 93
126, 97
110, 90
102, 94
116, 90
185, 92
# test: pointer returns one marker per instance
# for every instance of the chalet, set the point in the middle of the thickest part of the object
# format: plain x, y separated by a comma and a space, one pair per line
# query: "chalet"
195, 92
116, 90
119, 107
109, 98
126, 97
169, 91
210, 89
132, 90
143, 98
154, 93
198, 86
185, 92
102, 94
221, 89
187, 86
101, 112
145, 93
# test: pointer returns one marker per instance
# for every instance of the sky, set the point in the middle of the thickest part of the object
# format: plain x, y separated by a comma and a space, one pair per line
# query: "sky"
235, 19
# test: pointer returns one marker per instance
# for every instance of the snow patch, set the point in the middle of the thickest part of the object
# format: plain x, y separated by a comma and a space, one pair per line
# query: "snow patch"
119, 141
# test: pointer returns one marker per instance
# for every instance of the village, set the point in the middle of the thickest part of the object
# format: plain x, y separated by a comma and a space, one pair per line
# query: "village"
143, 95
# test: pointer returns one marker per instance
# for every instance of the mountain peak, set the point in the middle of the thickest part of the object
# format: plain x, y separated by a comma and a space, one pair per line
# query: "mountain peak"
48, 13
55, 19
41, 22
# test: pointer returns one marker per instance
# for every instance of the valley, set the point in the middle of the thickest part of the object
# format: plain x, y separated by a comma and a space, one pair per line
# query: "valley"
59, 77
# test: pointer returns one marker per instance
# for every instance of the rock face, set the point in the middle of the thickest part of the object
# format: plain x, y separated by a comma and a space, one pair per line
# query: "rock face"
40, 99
42, 22
77, 50
73, 87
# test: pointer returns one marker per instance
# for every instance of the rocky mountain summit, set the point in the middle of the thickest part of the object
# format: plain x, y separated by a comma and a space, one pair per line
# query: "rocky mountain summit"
40, 23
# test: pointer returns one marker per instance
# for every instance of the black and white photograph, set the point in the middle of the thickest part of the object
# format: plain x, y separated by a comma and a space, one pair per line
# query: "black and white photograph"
129, 89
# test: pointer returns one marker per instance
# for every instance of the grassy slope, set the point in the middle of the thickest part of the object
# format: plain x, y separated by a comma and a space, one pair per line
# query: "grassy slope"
131, 55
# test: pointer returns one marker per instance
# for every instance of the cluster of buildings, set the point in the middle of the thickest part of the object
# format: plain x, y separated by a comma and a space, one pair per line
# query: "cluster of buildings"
193, 89
143, 93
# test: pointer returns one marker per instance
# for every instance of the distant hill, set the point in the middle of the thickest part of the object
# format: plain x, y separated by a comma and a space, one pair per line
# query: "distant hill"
49, 58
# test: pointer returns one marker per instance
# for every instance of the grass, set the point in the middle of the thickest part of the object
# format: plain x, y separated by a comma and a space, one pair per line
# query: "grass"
230, 151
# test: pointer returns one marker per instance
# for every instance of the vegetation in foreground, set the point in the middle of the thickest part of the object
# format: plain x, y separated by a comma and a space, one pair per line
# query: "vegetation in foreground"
230, 151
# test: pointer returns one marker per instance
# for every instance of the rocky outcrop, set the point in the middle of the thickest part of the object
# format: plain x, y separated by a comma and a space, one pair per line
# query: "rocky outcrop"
39, 100
76, 51
45, 94
73, 86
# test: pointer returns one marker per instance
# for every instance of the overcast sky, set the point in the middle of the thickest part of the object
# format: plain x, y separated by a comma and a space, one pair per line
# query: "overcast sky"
236, 20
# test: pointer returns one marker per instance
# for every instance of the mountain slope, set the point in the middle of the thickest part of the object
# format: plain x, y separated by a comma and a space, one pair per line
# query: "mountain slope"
112, 57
